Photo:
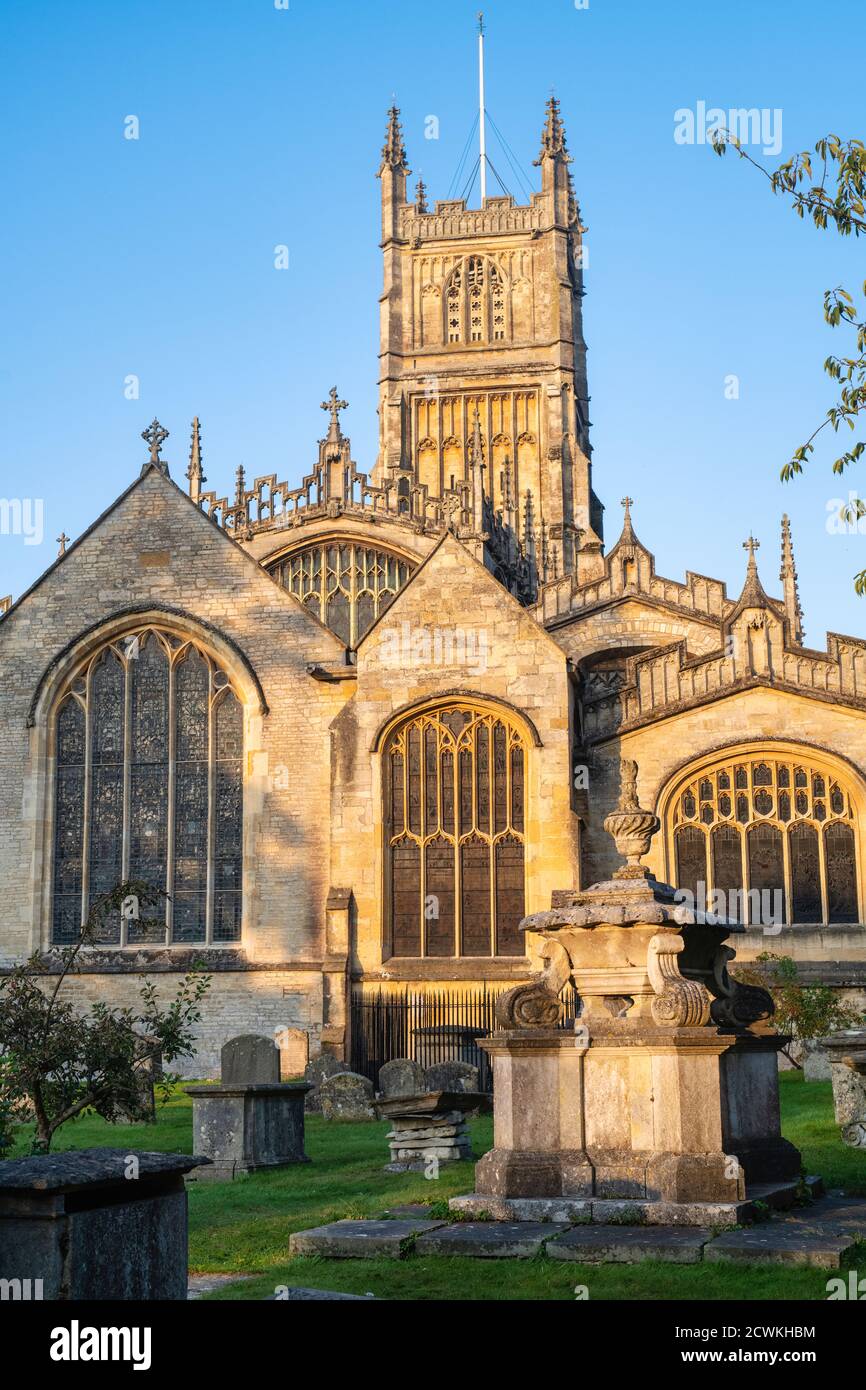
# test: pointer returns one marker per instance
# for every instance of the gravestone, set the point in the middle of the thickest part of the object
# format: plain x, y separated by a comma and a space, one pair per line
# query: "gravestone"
347, 1096
401, 1077
846, 1052
95, 1224
294, 1049
816, 1063
451, 1076
429, 1129
249, 1059
317, 1071
253, 1125
252, 1120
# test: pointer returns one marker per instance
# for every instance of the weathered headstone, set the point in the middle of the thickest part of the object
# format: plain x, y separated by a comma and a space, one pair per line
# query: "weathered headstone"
816, 1063
451, 1076
347, 1096
315, 1072
401, 1077
847, 1054
249, 1059
294, 1048
95, 1224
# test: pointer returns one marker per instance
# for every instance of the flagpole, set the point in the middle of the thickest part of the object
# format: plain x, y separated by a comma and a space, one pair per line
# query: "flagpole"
483, 158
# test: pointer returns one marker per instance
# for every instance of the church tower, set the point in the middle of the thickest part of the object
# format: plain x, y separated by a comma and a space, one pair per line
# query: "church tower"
481, 313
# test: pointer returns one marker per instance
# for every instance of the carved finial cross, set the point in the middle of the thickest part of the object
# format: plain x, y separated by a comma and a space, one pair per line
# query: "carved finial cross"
751, 545
155, 436
334, 405
628, 503
62, 541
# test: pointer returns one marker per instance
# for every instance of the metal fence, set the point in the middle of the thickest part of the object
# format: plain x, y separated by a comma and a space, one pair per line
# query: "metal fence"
429, 1026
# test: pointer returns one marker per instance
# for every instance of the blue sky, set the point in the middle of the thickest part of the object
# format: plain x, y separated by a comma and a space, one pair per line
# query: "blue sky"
262, 126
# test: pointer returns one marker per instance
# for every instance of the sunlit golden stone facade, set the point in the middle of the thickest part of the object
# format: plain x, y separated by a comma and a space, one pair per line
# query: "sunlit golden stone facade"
359, 726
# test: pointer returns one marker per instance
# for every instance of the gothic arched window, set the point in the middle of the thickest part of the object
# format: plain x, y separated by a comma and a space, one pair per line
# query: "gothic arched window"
346, 585
454, 789
477, 306
772, 834
454, 308
149, 786
474, 302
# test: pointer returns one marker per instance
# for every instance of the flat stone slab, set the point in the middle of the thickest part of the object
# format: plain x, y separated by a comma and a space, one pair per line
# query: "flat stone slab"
781, 1242
64, 1172
491, 1239
841, 1215
680, 1245
359, 1239
431, 1103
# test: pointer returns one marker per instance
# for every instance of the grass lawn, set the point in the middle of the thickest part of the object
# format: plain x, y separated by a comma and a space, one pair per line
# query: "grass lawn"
243, 1227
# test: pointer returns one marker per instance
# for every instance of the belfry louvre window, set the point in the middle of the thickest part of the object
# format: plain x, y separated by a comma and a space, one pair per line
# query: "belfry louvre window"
347, 586
774, 827
149, 786
454, 820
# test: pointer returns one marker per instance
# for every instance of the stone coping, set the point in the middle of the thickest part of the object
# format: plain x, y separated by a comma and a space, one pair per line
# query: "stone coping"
428, 1103
639, 1034
252, 1088
77, 1168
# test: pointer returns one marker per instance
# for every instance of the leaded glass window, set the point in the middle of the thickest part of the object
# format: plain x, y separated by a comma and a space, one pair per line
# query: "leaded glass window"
454, 819
347, 586
149, 786
788, 834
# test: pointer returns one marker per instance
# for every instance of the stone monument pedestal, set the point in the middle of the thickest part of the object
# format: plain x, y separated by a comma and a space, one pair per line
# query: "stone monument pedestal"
245, 1127
666, 1091
632, 1111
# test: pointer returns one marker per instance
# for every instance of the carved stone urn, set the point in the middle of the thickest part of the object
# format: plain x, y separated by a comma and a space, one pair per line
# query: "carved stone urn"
664, 1093
631, 827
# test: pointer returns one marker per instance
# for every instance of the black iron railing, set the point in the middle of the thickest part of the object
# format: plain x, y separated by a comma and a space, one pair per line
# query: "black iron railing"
429, 1026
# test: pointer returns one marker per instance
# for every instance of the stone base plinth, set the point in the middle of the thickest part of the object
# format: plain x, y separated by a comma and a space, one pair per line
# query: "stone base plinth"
606, 1212
429, 1129
246, 1127
627, 1111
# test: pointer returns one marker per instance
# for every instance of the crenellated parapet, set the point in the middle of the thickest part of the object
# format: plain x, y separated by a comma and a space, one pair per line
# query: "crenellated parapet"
753, 651
453, 219
628, 571
638, 665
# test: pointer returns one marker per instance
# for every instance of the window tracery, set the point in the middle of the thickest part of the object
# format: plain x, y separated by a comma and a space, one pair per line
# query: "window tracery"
149, 786
346, 585
455, 833
774, 826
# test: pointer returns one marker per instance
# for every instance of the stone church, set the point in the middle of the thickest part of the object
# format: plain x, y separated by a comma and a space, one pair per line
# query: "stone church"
358, 727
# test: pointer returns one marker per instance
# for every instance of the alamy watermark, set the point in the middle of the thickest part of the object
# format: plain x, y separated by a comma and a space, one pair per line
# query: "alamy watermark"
414, 646
760, 907
747, 126
846, 518
23, 516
